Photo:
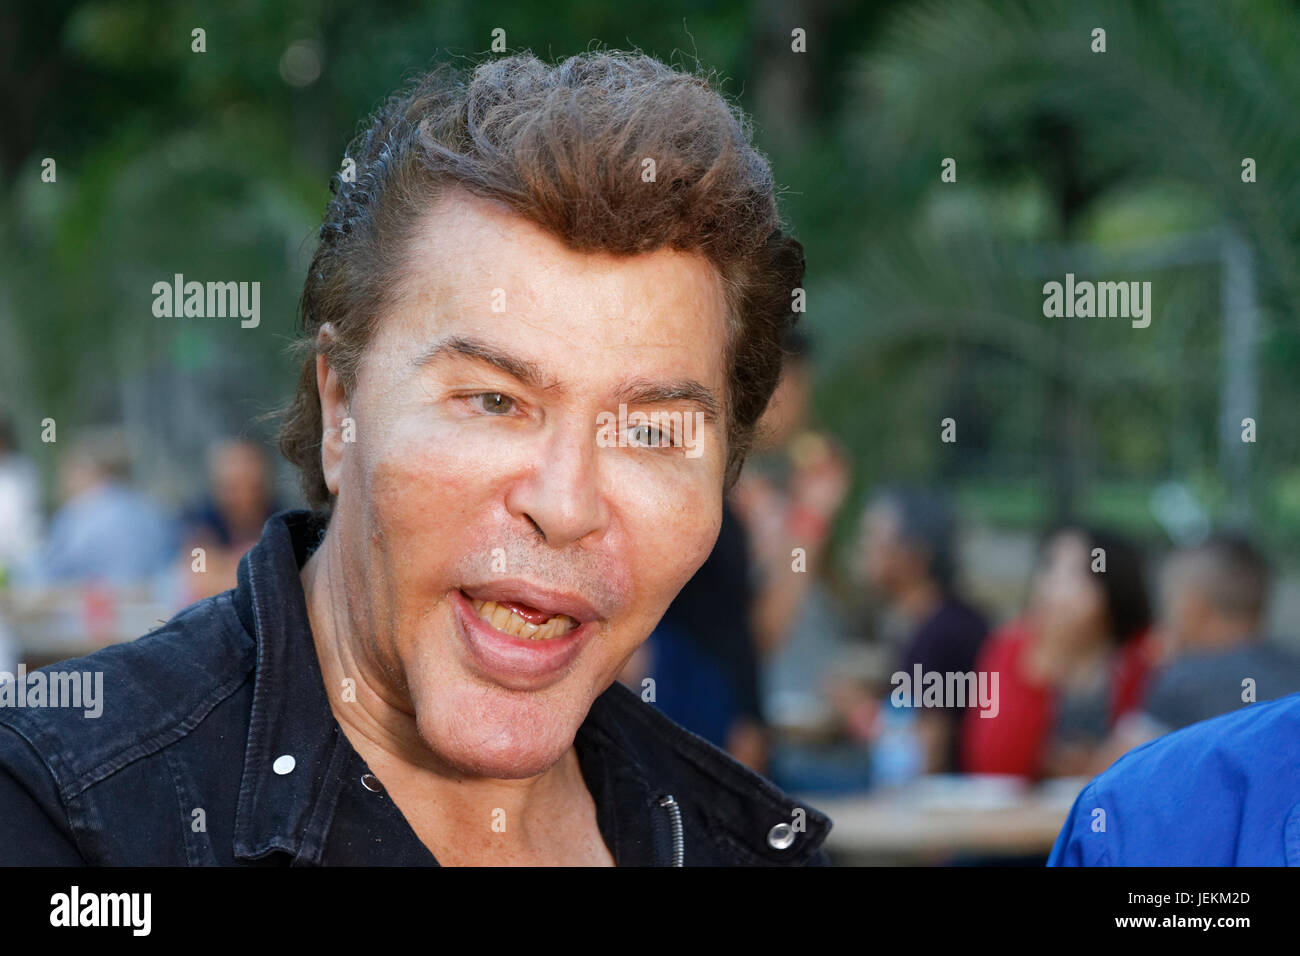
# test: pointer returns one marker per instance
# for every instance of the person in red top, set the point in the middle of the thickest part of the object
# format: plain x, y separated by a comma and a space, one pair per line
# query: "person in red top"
1070, 666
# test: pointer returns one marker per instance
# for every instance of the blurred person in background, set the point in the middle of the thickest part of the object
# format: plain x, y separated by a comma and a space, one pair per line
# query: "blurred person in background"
229, 519
1213, 600
702, 656
1218, 785
106, 530
20, 507
787, 498
907, 555
1071, 667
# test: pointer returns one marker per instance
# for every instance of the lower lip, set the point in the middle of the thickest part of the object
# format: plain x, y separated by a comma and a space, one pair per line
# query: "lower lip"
516, 662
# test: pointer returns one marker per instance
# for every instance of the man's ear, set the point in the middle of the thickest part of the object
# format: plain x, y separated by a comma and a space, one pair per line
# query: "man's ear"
337, 427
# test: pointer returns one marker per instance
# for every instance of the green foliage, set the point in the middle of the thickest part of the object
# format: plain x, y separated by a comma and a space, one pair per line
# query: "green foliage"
1062, 155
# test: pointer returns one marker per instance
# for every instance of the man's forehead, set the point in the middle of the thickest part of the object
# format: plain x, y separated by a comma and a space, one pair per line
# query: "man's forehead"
560, 322
504, 279
458, 225
549, 281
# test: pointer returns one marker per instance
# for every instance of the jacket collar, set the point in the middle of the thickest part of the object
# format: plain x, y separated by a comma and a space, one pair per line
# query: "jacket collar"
728, 812
292, 735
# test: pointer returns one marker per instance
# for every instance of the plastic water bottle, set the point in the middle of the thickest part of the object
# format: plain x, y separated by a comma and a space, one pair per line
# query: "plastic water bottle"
897, 756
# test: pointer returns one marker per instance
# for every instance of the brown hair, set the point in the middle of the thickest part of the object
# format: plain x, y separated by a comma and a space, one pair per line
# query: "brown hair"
563, 147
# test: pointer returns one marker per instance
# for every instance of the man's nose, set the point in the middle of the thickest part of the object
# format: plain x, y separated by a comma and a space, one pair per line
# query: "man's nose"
560, 492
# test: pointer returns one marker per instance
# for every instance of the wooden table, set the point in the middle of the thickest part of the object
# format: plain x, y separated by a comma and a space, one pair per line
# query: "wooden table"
56, 623
936, 818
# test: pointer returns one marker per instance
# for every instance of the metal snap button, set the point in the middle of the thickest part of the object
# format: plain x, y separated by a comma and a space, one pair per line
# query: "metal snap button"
284, 764
371, 783
781, 836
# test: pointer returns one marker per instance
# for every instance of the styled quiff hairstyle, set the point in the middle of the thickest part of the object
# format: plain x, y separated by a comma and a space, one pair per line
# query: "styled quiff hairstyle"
564, 147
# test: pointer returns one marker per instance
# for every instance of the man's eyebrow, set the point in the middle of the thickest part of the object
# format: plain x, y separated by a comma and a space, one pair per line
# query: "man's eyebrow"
644, 392
636, 392
530, 373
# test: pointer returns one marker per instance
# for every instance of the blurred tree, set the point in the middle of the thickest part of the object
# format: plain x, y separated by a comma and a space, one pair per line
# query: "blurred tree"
1057, 145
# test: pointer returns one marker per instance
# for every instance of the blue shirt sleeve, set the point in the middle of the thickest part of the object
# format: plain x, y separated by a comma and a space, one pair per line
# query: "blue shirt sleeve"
1221, 792
1079, 843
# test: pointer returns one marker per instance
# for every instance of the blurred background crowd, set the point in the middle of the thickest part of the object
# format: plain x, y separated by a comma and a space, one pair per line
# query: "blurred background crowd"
1098, 646
112, 561
859, 543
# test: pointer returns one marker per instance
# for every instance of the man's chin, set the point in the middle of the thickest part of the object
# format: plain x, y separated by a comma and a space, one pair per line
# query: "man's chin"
503, 743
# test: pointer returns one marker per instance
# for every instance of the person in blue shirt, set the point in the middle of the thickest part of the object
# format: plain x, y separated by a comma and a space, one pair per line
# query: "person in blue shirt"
107, 530
1221, 792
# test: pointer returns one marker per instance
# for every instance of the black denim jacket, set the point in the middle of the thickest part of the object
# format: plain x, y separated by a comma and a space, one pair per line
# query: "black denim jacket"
216, 746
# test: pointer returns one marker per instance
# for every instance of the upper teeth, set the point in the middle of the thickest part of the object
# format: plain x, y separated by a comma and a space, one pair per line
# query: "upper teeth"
508, 622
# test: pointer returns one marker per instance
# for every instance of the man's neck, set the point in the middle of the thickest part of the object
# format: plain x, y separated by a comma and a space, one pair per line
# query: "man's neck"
462, 818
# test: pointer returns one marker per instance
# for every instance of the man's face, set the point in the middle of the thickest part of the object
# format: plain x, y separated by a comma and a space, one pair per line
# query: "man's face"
788, 407
1183, 612
479, 472
239, 480
884, 557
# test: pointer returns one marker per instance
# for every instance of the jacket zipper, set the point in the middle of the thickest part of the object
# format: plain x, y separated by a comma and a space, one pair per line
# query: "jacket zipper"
675, 821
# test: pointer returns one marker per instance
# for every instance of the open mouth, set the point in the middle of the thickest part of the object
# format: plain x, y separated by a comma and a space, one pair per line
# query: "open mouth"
521, 620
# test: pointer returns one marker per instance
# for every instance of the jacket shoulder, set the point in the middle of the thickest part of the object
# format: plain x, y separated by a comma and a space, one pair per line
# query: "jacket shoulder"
136, 698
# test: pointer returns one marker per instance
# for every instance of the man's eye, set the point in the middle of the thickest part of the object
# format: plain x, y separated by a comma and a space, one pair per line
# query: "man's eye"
495, 403
646, 436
